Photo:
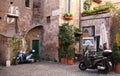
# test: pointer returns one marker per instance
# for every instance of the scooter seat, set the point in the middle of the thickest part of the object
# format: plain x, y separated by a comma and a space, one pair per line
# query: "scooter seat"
96, 57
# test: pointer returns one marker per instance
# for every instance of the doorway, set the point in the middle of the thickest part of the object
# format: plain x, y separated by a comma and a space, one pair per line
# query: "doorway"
35, 46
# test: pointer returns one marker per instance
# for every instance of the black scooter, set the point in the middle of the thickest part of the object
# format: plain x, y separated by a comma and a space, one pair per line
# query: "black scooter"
101, 63
22, 57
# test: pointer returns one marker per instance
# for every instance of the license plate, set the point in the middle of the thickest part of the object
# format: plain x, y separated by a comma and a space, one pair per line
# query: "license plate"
110, 63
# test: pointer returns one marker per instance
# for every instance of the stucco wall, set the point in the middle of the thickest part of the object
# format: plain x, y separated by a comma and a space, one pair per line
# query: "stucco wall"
26, 20
74, 9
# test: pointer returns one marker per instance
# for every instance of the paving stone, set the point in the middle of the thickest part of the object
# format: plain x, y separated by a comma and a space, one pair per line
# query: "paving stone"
49, 69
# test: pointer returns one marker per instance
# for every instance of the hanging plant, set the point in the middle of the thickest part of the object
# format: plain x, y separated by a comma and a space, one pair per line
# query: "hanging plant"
68, 16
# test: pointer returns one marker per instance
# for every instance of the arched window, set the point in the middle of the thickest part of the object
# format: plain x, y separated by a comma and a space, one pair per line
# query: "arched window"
27, 3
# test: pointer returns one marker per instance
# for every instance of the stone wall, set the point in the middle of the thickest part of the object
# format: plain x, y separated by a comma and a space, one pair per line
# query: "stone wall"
28, 18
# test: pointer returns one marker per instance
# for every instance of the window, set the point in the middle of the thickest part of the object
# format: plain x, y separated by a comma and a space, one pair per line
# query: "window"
48, 19
11, 2
90, 30
67, 5
86, 6
27, 3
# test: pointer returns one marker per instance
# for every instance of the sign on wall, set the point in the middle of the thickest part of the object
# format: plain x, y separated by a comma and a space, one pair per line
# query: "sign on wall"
55, 12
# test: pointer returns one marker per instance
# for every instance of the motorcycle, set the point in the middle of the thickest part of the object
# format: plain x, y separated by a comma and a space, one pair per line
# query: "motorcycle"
22, 57
101, 63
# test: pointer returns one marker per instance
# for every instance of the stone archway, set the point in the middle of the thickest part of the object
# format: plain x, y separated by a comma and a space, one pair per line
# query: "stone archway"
34, 39
3, 49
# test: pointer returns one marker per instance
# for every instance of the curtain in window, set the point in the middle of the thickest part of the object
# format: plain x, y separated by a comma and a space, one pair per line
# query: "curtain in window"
67, 5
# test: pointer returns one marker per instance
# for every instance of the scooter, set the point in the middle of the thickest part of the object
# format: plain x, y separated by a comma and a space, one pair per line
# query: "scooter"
101, 63
22, 57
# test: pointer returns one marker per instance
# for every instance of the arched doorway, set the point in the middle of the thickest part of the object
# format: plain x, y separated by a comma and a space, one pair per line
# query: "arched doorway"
34, 38
3, 49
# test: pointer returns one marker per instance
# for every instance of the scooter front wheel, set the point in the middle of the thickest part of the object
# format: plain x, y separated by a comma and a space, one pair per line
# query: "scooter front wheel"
82, 66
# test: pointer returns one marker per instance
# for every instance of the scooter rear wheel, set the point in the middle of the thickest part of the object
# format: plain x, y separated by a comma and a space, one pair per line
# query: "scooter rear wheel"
82, 66
106, 70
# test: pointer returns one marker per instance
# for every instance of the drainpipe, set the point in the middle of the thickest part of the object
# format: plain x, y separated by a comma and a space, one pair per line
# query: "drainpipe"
80, 24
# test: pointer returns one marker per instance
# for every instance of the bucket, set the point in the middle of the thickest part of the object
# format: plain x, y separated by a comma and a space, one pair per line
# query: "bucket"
8, 63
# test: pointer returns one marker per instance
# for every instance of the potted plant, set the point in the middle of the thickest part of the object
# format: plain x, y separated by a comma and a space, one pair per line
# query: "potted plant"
102, 9
87, 12
63, 58
97, 1
70, 56
115, 37
68, 16
66, 38
116, 57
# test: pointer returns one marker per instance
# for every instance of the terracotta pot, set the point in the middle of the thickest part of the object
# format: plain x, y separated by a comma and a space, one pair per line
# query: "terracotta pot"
70, 61
68, 17
97, 1
83, 15
63, 60
106, 11
94, 13
117, 68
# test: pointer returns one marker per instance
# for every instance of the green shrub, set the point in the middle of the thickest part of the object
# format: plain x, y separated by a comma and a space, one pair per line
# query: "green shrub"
98, 9
68, 14
70, 53
62, 52
66, 38
88, 11
101, 8
115, 53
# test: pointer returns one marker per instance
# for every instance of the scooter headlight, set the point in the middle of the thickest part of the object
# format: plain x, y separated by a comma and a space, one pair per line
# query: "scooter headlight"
33, 51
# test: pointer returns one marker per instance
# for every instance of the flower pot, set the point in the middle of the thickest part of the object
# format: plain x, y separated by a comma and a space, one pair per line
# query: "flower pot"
100, 12
106, 11
63, 60
83, 15
70, 61
94, 13
97, 1
68, 17
117, 68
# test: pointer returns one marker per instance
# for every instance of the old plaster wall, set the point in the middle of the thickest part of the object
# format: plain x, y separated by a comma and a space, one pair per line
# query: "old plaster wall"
50, 38
97, 21
74, 10
46, 16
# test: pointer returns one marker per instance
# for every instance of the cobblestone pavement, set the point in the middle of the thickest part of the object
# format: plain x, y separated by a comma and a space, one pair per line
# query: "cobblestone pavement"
48, 69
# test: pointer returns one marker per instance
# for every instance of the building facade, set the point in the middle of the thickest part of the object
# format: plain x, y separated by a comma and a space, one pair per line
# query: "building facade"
73, 7
35, 20
92, 23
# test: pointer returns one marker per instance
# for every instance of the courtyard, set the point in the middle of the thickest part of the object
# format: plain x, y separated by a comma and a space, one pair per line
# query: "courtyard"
45, 68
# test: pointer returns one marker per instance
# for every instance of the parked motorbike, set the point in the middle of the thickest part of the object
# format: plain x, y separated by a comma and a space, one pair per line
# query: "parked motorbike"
101, 63
22, 57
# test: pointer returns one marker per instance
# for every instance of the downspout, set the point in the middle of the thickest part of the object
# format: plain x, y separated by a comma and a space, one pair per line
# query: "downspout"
80, 25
